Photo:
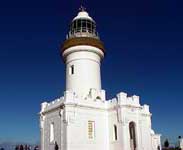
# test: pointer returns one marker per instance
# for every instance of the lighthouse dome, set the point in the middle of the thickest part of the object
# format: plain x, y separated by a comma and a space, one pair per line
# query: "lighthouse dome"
83, 15
83, 26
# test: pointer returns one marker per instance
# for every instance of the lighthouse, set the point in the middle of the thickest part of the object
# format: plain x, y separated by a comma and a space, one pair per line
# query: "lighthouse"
83, 118
82, 53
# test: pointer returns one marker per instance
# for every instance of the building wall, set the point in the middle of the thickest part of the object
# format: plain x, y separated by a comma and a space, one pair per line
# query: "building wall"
71, 117
114, 143
156, 142
181, 144
142, 127
56, 119
77, 136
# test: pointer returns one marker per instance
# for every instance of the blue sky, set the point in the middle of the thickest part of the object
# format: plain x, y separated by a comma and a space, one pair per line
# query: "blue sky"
143, 41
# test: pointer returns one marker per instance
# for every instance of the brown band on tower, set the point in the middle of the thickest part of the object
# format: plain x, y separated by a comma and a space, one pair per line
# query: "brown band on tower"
82, 41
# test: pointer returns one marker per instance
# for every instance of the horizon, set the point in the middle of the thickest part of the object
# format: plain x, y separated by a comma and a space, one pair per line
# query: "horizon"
143, 43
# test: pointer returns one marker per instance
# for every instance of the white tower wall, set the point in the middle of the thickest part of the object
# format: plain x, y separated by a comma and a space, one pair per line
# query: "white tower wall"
83, 69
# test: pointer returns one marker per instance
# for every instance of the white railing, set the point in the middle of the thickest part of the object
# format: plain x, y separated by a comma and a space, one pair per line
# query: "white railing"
83, 32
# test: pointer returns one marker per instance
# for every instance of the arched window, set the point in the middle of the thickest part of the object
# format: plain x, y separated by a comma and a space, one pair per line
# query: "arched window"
115, 133
98, 97
132, 136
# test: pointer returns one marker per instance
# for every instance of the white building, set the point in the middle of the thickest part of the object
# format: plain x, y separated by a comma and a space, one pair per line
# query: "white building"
83, 119
181, 143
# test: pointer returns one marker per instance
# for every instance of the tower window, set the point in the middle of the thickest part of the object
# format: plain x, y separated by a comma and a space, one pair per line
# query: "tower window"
52, 132
91, 129
115, 133
71, 70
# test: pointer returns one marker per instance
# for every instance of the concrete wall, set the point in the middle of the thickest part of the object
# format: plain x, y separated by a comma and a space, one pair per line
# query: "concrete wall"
56, 119
86, 63
77, 136
70, 116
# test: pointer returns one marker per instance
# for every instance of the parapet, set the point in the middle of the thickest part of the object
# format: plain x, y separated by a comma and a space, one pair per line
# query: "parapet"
45, 106
95, 94
95, 99
123, 99
146, 108
111, 103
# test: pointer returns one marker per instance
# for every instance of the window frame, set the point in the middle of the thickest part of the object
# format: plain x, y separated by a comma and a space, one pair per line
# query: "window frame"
91, 130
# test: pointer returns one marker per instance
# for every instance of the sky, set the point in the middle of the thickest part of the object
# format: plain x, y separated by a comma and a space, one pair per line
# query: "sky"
144, 51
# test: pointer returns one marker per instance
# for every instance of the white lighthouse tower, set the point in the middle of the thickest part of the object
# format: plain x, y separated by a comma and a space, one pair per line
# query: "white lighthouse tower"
83, 119
82, 52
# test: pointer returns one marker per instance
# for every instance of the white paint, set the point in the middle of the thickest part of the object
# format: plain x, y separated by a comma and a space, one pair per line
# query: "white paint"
71, 115
83, 15
181, 143
84, 101
86, 63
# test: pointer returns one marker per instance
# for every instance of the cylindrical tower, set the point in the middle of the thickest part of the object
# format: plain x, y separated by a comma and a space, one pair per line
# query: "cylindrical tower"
82, 53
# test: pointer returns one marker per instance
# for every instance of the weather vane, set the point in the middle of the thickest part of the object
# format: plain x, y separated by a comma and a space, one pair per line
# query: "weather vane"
81, 7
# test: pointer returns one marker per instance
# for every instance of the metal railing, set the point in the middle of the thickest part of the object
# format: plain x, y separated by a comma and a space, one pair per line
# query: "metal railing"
83, 32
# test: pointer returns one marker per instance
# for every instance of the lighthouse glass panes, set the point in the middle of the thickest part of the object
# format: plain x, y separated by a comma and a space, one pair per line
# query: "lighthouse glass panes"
83, 27
91, 129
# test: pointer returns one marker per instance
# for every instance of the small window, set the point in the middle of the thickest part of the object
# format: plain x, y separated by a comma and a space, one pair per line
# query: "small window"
71, 70
115, 133
91, 129
52, 132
